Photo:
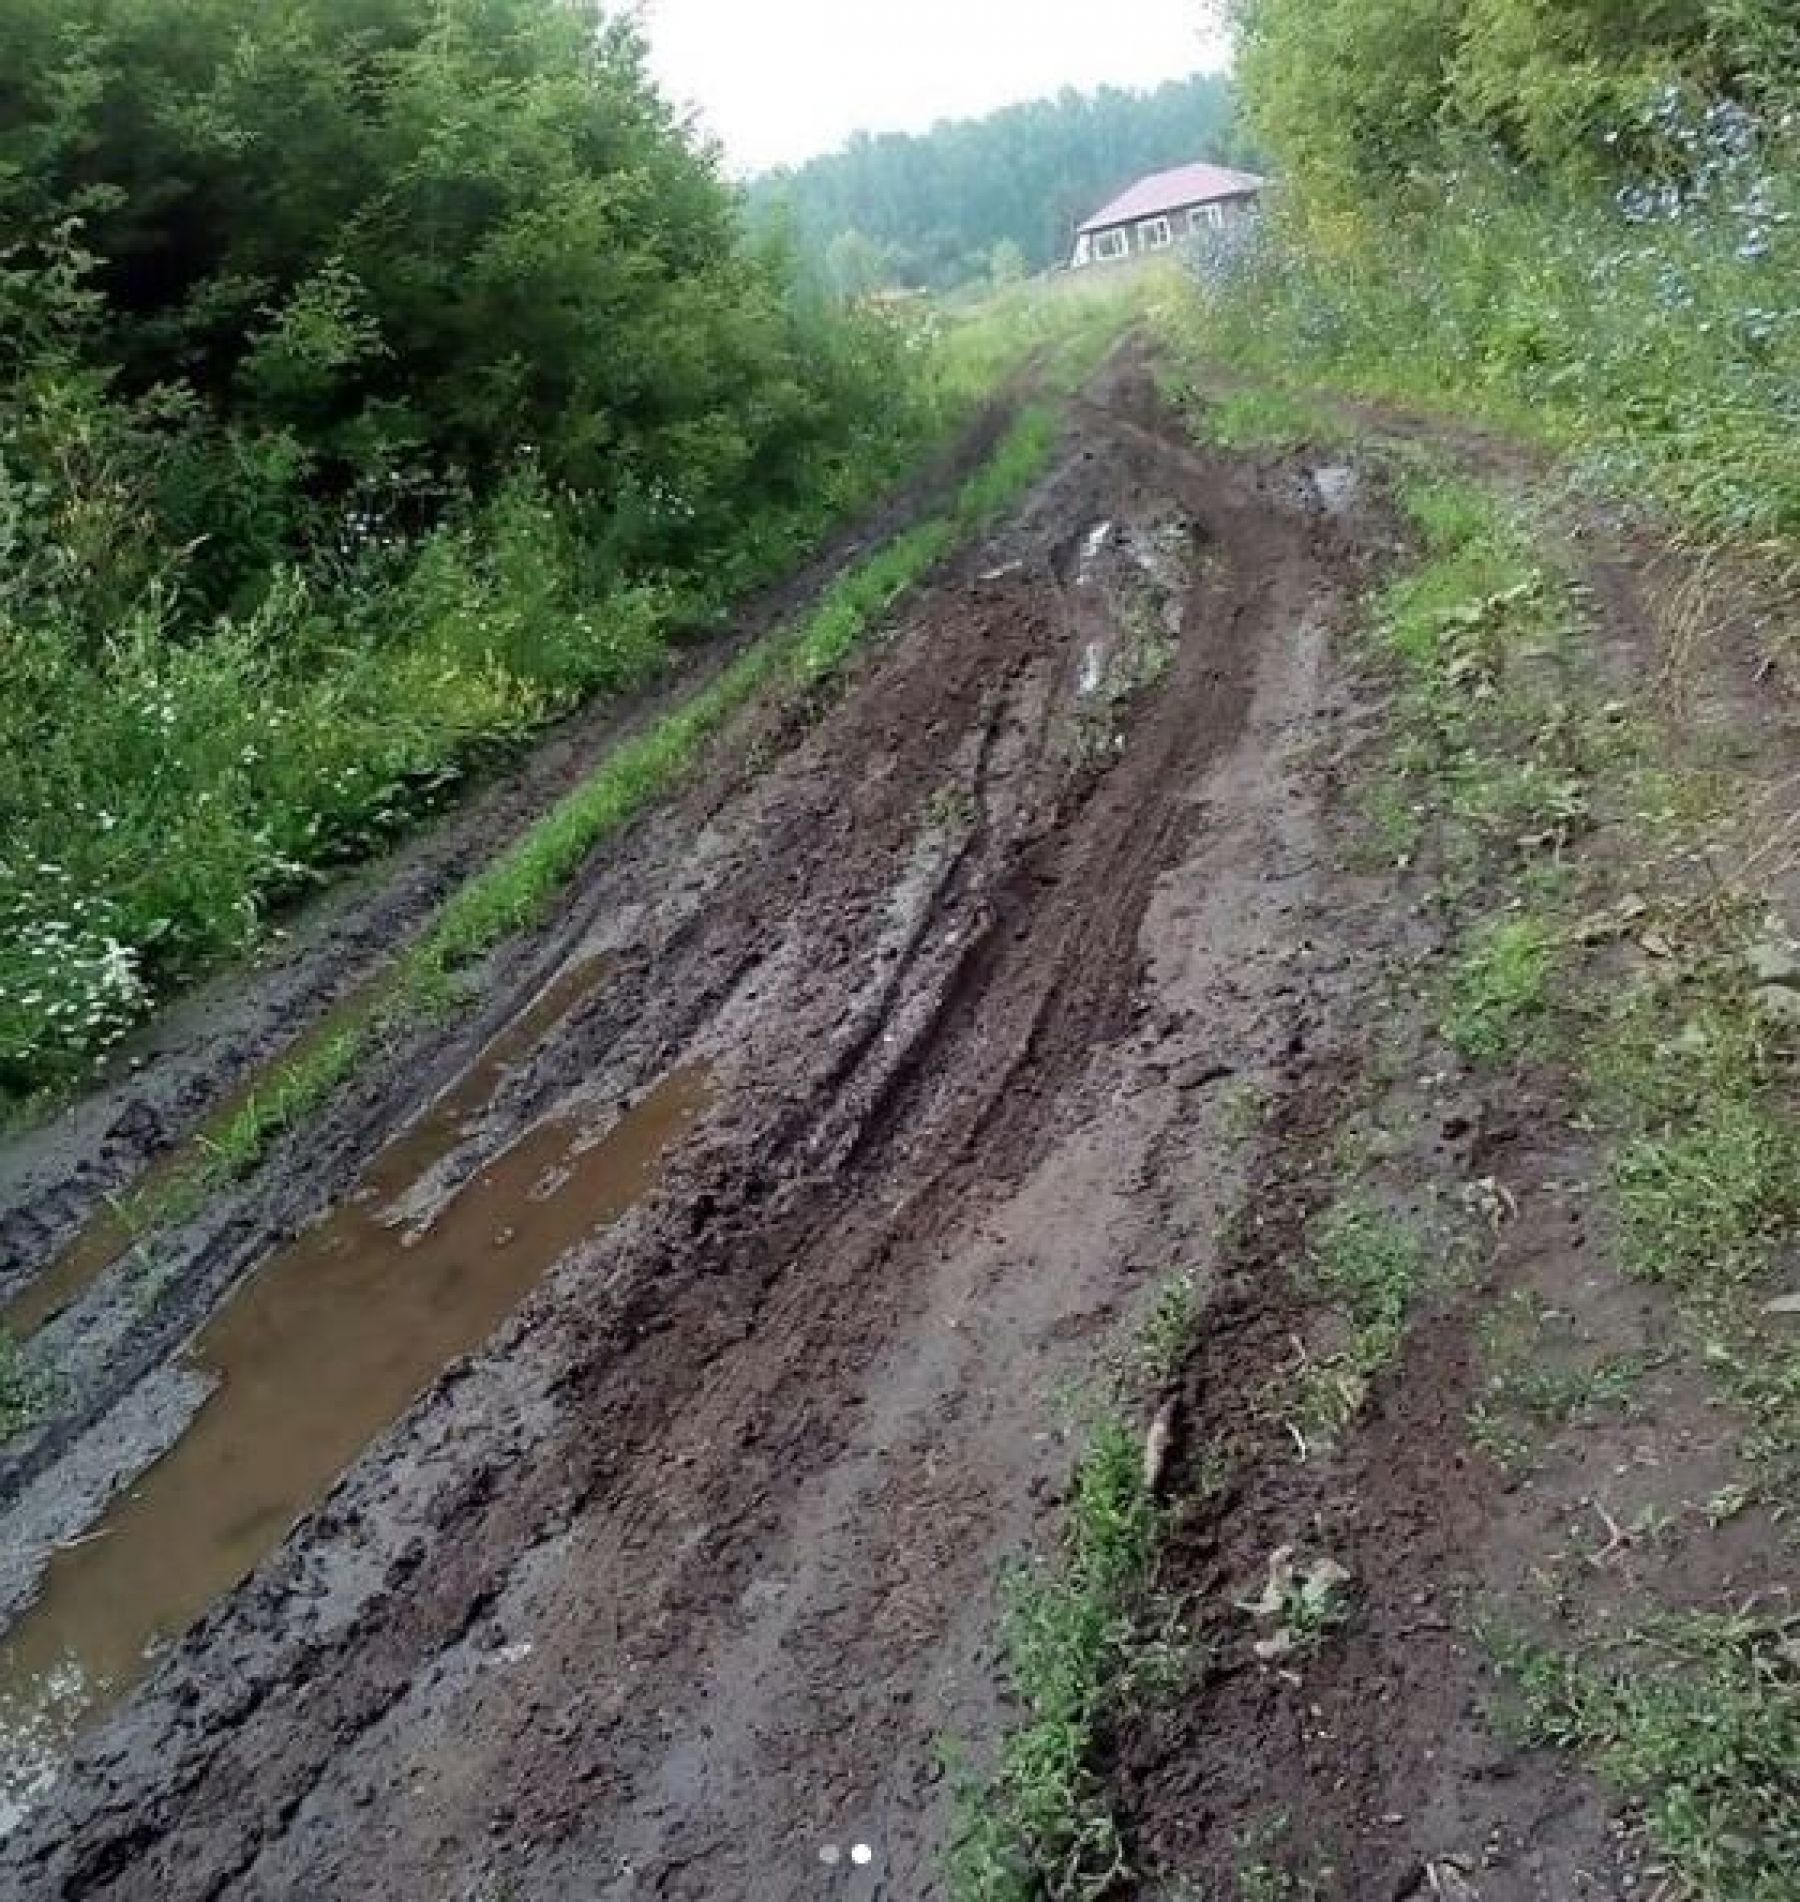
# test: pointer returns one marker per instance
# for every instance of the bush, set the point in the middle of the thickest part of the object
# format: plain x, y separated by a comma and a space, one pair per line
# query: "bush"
1657, 332
378, 379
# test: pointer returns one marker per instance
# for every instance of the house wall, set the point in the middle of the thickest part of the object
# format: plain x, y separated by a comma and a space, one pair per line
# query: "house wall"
1145, 237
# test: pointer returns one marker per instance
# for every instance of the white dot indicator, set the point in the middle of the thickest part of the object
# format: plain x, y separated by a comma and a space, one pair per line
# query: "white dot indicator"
862, 1855
831, 1855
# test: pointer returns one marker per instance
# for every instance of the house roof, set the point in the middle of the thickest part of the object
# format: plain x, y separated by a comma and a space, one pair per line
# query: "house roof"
1174, 191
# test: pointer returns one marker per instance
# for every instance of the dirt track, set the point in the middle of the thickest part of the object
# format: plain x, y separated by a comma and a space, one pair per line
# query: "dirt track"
676, 1585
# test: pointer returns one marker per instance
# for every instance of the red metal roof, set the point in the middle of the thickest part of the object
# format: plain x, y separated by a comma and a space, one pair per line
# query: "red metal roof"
1174, 191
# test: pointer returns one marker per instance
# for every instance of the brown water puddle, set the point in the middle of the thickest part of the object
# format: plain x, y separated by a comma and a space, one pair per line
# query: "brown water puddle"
113, 1233
315, 1355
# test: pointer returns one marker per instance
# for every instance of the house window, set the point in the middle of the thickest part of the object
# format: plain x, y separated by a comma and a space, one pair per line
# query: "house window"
1206, 218
1109, 245
1156, 233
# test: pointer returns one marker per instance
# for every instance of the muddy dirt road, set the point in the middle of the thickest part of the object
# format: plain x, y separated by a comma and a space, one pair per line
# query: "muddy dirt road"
849, 1109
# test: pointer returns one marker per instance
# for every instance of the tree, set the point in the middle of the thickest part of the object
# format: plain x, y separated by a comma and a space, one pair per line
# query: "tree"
383, 247
1008, 265
1354, 95
857, 265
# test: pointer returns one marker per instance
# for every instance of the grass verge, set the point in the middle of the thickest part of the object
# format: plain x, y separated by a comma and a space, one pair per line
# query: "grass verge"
1368, 1267
1041, 1825
1536, 815
1695, 1718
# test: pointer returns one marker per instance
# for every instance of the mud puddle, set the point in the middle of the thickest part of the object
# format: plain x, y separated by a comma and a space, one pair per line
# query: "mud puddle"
113, 1232
315, 1357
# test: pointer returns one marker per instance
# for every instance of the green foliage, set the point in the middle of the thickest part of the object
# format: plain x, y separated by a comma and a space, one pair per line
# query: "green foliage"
1264, 418
1062, 330
1707, 1176
1578, 218
378, 380
1043, 1827
23, 1391
1357, 95
982, 200
1700, 1725
1706, 1201
1342, 90
1538, 1378
1169, 1332
1665, 350
1500, 987
1368, 1266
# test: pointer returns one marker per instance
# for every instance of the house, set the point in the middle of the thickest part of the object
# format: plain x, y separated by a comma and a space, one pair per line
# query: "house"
1164, 210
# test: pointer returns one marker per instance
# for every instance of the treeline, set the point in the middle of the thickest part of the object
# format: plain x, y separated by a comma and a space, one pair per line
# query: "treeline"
996, 197
1361, 94
377, 377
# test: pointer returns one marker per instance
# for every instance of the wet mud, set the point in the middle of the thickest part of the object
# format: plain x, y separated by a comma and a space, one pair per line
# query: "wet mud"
116, 1228
718, 1321
309, 1360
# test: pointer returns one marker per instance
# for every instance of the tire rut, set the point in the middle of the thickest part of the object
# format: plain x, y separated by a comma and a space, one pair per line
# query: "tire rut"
682, 1573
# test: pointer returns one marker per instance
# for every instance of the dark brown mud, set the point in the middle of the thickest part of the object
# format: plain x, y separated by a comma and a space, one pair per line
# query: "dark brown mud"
674, 1586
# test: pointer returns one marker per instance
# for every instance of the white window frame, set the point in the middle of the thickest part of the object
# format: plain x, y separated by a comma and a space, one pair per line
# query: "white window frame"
1157, 234
1207, 218
1110, 246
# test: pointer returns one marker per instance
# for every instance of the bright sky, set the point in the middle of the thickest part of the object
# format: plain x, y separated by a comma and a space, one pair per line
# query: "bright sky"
779, 80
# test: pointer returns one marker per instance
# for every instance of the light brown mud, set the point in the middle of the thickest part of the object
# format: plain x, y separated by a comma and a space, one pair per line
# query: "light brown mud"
675, 1586
309, 1360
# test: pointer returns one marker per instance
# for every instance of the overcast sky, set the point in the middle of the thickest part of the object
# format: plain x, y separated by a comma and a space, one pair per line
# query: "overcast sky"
778, 80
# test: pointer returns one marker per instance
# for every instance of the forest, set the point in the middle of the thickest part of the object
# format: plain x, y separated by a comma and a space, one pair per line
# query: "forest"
378, 379
993, 199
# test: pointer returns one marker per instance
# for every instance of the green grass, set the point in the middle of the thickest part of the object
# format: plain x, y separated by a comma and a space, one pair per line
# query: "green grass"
1268, 1869
1260, 417
1085, 1642
24, 1393
1368, 1266
1683, 1065
1500, 988
1687, 1077
1394, 824
1697, 1719
1709, 1200
1041, 1827
1060, 329
1537, 1382
1169, 1331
